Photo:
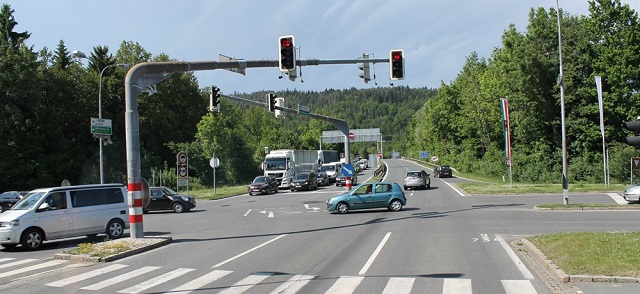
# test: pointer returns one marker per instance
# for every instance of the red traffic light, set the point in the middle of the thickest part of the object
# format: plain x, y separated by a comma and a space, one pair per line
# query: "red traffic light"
397, 55
285, 42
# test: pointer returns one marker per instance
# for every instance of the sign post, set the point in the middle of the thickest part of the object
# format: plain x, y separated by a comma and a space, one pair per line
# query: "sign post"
214, 162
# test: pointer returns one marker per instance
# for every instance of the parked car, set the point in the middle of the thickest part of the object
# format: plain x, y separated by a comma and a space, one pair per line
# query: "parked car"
417, 179
322, 179
263, 185
632, 193
164, 198
341, 180
442, 171
9, 198
304, 181
369, 195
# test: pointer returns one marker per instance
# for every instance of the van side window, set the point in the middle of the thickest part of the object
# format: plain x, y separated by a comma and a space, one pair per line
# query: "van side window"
83, 198
57, 200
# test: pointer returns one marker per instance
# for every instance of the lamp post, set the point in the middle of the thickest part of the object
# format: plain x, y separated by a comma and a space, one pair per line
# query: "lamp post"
80, 54
565, 180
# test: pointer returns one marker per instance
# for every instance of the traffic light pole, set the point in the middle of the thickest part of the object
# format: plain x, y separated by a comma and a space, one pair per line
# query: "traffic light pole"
144, 75
341, 125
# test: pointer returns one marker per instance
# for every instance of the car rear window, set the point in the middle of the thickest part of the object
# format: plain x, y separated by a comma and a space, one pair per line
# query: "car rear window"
414, 174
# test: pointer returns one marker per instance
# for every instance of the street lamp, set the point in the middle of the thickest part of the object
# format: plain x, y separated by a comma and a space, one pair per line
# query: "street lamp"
79, 54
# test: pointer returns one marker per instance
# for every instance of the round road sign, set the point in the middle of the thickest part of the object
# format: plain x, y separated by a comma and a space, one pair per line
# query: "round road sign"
182, 157
351, 136
182, 171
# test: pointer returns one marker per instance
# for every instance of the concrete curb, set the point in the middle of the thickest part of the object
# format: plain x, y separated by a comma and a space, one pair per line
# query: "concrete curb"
148, 244
565, 278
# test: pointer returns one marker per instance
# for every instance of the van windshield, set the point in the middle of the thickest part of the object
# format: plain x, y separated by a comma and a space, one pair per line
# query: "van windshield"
28, 201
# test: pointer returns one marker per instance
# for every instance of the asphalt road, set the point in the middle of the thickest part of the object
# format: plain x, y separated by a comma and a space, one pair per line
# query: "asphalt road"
441, 242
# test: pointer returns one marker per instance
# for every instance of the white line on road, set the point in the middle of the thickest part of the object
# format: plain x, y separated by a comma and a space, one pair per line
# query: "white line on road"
374, 255
457, 286
345, 284
31, 268
518, 287
249, 251
293, 285
399, 285
618, 199
87, 275
247, 213
121, 278
452, 187
246, 283
514, 257
200, 282
157, 280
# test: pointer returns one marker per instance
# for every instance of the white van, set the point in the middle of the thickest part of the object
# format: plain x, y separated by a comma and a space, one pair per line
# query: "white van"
63, 212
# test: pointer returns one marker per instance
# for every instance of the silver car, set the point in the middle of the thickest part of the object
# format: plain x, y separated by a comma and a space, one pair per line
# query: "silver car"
632, 193
417, 179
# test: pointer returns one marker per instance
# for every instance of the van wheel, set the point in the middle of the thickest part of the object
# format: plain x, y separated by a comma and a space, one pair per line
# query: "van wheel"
32, 239
115, 228
178, 207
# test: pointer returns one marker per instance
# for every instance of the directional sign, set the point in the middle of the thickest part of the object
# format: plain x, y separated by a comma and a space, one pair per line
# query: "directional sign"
101, 127
424, 154
348, 170
434, 158
303, 110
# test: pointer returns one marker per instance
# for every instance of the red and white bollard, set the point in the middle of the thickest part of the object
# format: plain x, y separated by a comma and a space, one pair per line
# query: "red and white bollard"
347, 183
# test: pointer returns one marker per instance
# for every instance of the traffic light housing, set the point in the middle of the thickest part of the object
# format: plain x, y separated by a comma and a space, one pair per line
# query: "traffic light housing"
633, 126
396, 64
214, 99
287, 53
271, 102
366, 69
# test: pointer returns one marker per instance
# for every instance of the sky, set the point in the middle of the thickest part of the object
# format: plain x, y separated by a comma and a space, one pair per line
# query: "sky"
436, 35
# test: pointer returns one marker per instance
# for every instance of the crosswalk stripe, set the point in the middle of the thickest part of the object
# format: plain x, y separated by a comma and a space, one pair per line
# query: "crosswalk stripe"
19, 262
457, 286
32, 268
293, 285
399, 285
157, 280
6, 259
518, 287
345, 284
87, 275
246, 283
200, 282
121, 278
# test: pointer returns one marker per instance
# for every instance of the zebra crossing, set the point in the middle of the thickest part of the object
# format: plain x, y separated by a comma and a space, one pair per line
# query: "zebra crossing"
122, 278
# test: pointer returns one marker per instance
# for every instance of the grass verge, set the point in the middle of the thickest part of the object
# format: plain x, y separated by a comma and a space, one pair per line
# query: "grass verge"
593, 253
474, 188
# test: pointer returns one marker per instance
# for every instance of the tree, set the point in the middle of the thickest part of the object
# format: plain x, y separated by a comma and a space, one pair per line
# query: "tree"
8, 38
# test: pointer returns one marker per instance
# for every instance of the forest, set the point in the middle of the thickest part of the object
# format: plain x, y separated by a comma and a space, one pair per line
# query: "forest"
49, 96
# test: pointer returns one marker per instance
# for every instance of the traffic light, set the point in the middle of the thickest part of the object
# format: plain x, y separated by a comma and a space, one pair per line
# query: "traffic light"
635, 127
287, 53
214, 99
365, 68
271, 102
396, 64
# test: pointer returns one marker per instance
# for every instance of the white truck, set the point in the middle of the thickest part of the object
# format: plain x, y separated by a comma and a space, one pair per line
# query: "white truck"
332, 169
285, 164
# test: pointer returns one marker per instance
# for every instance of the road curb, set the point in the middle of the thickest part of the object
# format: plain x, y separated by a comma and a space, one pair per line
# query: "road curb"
139, 245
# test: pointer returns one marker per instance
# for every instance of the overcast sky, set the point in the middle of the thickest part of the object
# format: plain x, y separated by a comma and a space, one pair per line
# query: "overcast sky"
436, 35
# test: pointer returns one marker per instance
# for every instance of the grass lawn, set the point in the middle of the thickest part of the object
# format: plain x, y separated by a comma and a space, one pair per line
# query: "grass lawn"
597, 254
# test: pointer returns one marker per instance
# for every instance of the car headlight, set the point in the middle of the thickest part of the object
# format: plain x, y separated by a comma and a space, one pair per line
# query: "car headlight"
330, 201
13, 223
185, 198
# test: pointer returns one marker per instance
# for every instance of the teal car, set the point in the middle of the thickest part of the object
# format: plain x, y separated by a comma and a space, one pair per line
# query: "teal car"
369, 195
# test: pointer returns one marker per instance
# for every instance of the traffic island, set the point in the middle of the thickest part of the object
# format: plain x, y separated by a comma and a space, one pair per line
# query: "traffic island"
111, 250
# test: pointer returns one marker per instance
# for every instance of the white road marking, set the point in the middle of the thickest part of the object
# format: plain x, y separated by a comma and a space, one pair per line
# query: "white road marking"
618, 199
157, 280
87, 275
456, 286
345, 284
247, 213
514, 257
518, 287
19, 262
249, 251
293, 285
399, 285
200, 282
246, 283
374, 255
121, 278
31, 268
454, 189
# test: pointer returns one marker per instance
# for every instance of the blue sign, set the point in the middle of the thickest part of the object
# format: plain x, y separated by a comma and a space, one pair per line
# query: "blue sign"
425, 154
348, 170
